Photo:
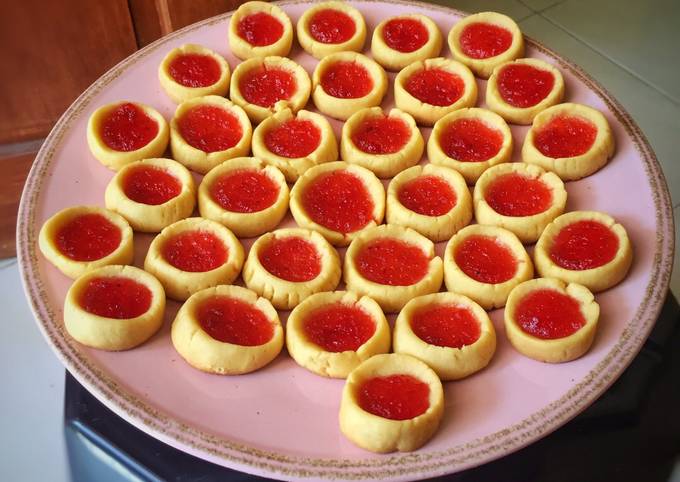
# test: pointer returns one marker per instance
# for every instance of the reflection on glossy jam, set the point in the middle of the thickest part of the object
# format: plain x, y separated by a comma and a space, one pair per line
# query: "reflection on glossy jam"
381, 135
435, 86
470, 140
88, 237
584, 245
346, 80
244, 191
151, 185
513, 194
260, 29
452, 326
405, 34
294, 138
486, 259
195, 70
391, 262
482, 40
292, 259
338, 201
397, 397
210, 128
339, 327
231, 320
427, 195
565, 136
127, 128
195, 251
265, 86
549, 314
330, 26
522, 85
115, 297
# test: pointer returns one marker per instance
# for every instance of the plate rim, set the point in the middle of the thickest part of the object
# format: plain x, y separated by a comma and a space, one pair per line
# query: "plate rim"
400, 466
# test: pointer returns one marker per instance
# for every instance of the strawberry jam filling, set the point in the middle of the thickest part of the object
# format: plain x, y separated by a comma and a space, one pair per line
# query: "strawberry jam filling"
292, 259
565, 136
88, 237
397, 397
584, 245
470, 140
195, 70
485, 259
338, 201
482, 40
151, 185
210, 128
427, 195
522, 85
346, 80
244, 191
294, 138
405, 34
339, 327
195, 251
115, 297
265, 86
435, 87
330, 26
259, 29
231, 320
127, 128
450, 326
381, 135
392, 262
549, 314
513, 194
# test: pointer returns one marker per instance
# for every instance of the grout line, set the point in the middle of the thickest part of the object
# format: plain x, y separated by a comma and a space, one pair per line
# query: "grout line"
6, 263
676, 205
555, 3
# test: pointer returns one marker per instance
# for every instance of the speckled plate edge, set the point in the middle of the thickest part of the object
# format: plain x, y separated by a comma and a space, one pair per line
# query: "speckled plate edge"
400, 466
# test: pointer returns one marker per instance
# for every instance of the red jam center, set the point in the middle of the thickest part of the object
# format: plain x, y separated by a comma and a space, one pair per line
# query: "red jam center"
115, 297
260, 29
231, 320
330, 26
244, 191
337, 328
346, 80
549, 314
195, 251
435, 87
446, 325
522, 85
516, 195
427, 195
210, 128
584, 245
381, 135
151, 185
195, 70
405, 34
293, 259
485, 259
392, 262
565, 137
88, 237
470, 140
265, 86
481, 40
294, 138
397, 397
338, 201
127, 128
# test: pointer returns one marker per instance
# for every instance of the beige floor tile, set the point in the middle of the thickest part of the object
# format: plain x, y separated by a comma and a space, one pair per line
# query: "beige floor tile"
512, 8
539, 5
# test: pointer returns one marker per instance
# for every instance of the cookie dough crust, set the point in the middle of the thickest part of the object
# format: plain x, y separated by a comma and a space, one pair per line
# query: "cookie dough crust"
320, 50
244, 49
395, 60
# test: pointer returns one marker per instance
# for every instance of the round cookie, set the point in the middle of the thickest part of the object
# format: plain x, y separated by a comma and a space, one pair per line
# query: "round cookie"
245, 41
330, 27
400, 41
330, 334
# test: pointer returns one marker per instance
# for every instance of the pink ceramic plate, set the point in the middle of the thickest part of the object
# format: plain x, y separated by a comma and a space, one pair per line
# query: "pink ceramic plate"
282, 420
